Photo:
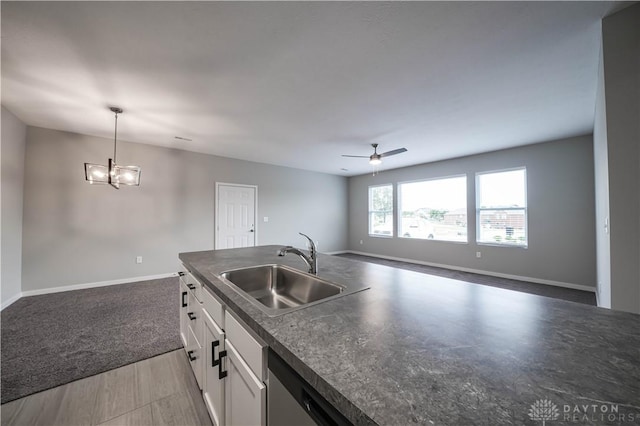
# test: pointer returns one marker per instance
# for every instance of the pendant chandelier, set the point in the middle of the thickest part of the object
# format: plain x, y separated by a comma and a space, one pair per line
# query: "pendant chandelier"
112, 174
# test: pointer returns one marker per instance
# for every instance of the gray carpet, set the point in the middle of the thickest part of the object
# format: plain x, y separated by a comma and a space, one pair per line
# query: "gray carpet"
57, 338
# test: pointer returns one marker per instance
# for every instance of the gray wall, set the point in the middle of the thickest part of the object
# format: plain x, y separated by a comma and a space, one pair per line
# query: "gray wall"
621, 51
12, 181
77, 233
601, 170
560, 214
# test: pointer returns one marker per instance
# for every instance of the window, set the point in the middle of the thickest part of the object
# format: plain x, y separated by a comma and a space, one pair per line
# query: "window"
434, 209
381, 211
502, 207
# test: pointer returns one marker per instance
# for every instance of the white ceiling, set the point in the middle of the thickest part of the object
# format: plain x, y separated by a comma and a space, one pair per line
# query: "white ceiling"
299, 84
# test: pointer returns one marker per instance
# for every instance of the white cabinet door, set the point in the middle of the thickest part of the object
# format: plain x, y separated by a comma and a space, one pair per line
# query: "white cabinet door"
245, 395
184, 307
213, 386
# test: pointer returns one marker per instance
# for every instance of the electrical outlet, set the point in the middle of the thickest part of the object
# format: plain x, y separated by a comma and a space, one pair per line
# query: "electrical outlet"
361, 242
265, 219
139, 259
478, 254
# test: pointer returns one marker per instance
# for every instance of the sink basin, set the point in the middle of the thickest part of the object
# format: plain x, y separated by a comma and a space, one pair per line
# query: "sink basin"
278, 289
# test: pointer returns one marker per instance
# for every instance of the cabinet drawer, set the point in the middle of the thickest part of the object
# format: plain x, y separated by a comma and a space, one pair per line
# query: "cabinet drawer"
213, 307
195, 285
182, 273
194, 352
194, 315
252, 350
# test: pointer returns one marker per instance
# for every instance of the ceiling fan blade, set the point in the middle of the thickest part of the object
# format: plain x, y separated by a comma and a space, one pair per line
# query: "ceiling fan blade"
394, 152
356, 156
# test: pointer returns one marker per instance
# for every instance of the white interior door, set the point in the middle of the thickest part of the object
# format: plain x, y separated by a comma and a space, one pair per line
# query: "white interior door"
236, 216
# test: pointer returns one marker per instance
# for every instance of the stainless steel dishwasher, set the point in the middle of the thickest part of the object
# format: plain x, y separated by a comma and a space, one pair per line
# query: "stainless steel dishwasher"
291, 401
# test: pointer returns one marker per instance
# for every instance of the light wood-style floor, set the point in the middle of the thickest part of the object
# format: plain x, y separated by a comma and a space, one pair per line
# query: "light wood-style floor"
572, 295
156, 391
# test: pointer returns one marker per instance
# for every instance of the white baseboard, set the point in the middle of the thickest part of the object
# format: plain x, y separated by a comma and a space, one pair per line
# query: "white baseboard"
10, 301
96, 284
331, 253
481, 272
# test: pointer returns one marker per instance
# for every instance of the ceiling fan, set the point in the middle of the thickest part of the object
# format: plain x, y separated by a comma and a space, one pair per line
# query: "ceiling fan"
375, 158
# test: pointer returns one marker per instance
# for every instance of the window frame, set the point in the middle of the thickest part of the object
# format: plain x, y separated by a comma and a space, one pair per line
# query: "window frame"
399, 207
525, 208
370, 211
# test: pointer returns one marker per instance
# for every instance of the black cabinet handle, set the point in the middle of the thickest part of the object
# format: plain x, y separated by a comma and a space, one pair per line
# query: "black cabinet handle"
214, 344
181, 274
184, 302
192, 357
191, 286
221, 374
191, 316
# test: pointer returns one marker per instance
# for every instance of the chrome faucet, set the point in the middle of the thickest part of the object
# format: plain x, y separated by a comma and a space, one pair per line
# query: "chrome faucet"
311, 260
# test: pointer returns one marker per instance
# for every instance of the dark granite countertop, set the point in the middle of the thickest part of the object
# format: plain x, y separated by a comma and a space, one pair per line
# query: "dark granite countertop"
420, 349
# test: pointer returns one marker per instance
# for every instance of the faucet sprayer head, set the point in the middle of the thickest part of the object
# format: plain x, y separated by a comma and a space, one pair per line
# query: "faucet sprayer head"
283, 250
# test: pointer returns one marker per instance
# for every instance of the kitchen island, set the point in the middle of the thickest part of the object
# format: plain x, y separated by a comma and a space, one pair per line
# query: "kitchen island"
420, 349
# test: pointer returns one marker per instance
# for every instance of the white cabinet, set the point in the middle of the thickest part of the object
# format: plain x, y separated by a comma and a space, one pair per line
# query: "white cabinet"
194, 315
245, 394
194, 285
184, 308
214, 375
191, 323
246, 365
228, 360
251, 348
194, 352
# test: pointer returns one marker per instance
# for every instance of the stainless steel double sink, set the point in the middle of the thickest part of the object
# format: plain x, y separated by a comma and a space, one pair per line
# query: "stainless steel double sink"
278, 289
